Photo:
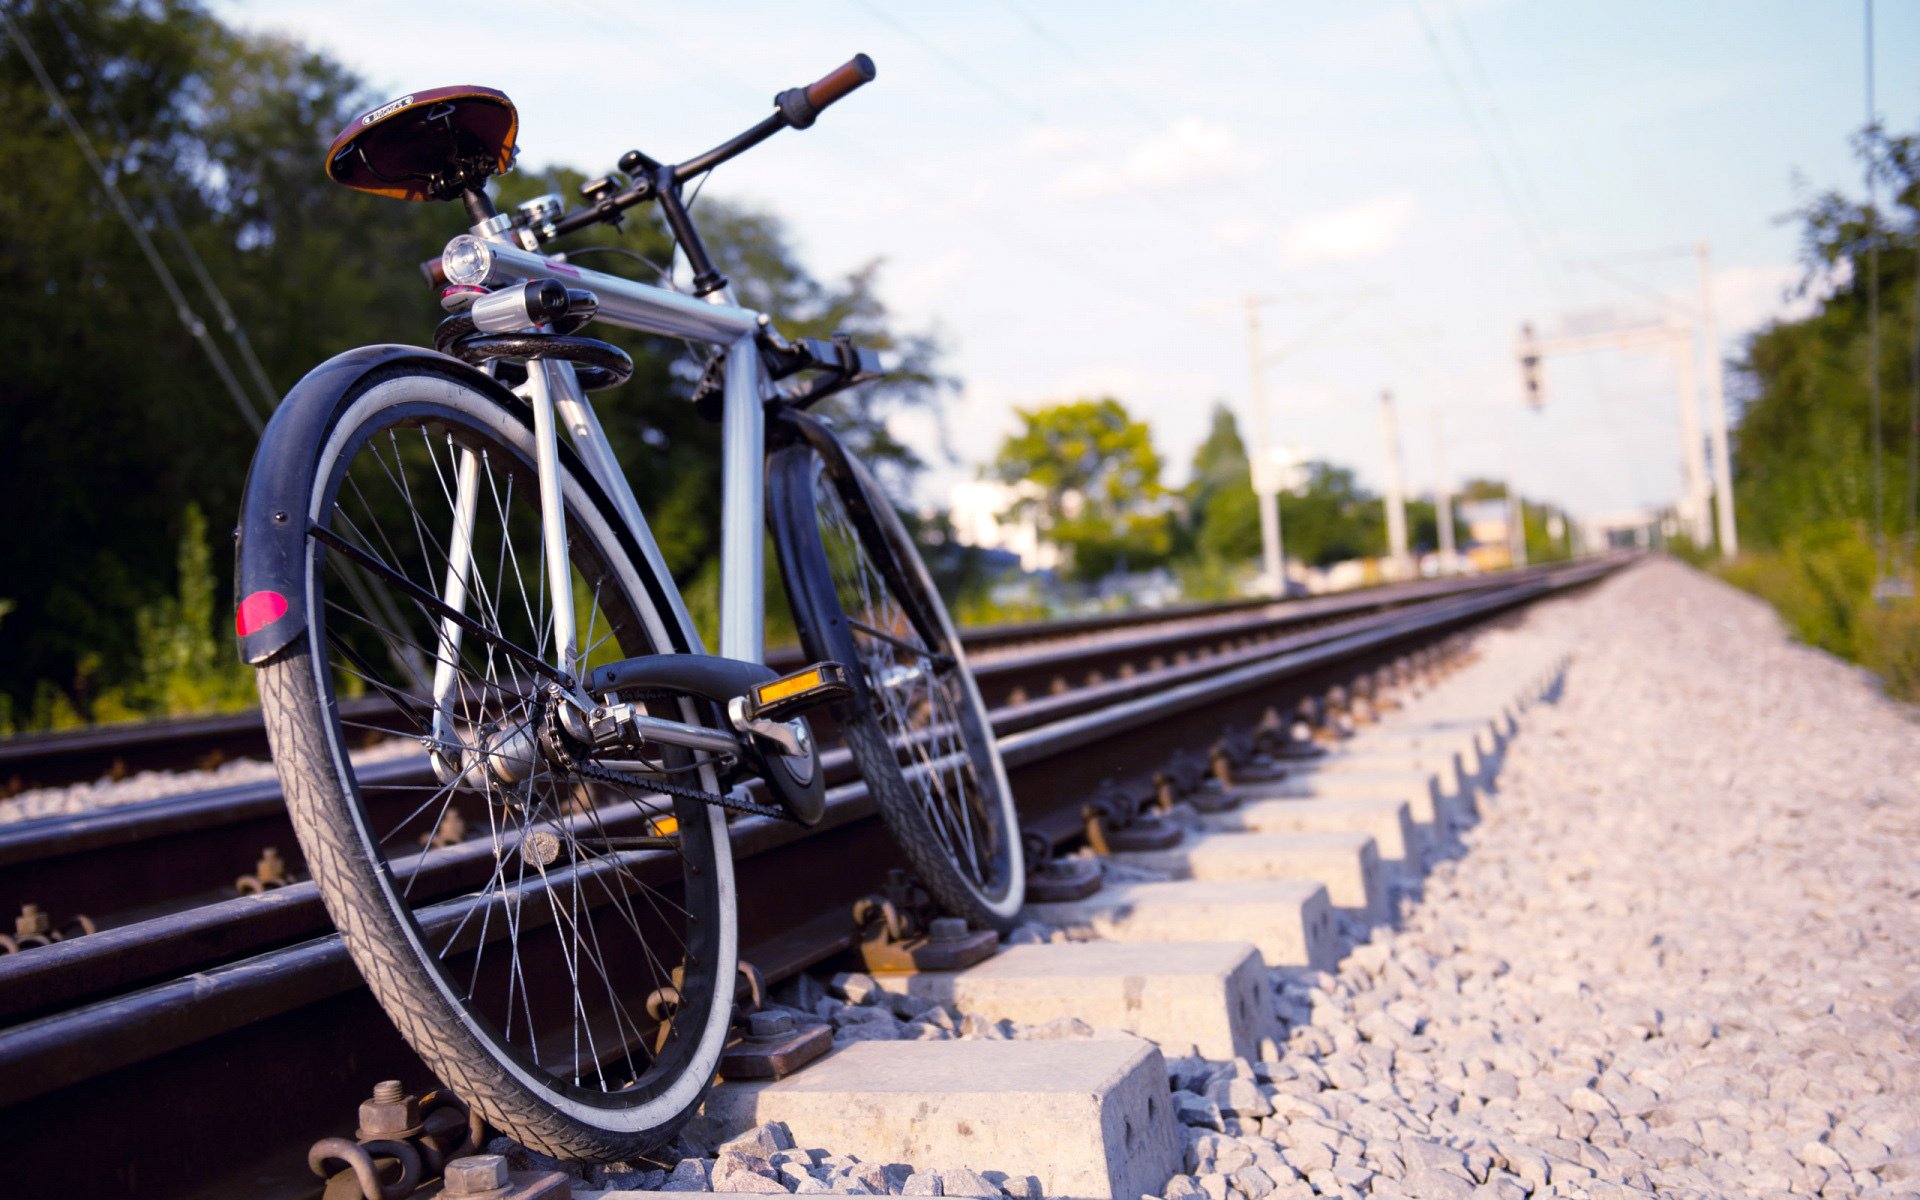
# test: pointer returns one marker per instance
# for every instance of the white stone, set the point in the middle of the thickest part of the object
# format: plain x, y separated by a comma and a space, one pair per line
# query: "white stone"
1210, 994
1346, 863
1090, 1119
1289, 921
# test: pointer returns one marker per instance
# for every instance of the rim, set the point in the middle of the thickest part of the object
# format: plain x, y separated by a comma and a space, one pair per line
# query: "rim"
922, 703
563, 919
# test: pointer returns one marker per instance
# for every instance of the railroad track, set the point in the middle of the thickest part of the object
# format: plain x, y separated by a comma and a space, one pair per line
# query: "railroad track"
40, 760
222, 1035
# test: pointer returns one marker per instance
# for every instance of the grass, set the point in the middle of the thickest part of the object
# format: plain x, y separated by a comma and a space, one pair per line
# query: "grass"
1821, 581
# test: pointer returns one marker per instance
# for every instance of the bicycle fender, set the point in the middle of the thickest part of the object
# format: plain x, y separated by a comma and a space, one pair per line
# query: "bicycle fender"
270, 541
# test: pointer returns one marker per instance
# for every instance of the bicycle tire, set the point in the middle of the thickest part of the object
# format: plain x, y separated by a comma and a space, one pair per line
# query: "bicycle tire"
831, 522
644, 1098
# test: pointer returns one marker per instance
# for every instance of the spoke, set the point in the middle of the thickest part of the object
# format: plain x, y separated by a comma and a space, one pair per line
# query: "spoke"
389, 558
434, 604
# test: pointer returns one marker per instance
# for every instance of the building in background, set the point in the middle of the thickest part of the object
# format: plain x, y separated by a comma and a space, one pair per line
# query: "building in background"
1489, 533
981, 511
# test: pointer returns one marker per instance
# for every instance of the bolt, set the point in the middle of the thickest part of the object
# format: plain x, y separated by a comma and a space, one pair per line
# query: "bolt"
31, 922
476, 1175
768, 1026
947, 929
390, 1113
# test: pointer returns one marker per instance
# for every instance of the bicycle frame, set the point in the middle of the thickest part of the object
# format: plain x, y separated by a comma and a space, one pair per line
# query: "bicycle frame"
555, 395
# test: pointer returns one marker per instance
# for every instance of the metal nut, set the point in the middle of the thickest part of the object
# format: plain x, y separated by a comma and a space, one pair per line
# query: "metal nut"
476, 1175
768, 1026
391, 1113
947, 929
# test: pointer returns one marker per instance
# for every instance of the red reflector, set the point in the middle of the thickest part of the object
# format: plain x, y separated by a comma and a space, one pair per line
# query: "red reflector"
259, 611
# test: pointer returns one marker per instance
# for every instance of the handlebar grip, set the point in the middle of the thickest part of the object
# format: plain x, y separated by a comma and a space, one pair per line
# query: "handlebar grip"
842, 79
802, 105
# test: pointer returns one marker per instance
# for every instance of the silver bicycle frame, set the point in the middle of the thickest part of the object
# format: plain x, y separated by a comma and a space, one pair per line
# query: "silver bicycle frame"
558, 402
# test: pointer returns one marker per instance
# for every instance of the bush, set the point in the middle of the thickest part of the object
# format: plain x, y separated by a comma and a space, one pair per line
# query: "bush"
1820, 580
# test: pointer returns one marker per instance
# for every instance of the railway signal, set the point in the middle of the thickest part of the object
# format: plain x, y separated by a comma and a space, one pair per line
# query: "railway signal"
1530, 369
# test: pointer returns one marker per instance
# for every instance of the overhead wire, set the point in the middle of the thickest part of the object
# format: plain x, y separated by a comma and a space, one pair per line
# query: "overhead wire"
1525, 200
952, 62
1033, 116
1454, 84
1118, 284
1497, 114
195, 327
168, 217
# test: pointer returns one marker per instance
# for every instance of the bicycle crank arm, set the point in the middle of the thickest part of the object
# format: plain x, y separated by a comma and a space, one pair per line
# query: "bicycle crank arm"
766, 711
629, 727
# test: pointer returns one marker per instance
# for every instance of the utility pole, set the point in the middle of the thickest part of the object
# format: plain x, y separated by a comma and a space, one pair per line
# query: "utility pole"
1693, 447
1442, 495
1717, 413
1260, 464
1396, 498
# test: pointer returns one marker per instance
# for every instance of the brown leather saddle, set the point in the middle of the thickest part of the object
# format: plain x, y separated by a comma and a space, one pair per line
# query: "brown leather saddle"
431, 145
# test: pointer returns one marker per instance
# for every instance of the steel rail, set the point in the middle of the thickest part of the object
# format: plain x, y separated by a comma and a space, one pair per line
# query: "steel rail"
226, 927
128, 863
270, 1050
34, 760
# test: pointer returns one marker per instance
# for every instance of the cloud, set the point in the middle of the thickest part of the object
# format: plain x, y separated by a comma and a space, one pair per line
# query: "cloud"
1358, 231
1239, 231
926, 284
1187, 150
1748, 297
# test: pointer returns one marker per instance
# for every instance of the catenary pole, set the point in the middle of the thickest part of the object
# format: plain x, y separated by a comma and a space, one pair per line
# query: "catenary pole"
1396, 498
1442, 495
1717, 413
1260, 464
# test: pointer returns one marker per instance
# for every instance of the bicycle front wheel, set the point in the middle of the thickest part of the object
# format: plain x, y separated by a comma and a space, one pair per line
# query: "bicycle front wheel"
919, 733
558, 948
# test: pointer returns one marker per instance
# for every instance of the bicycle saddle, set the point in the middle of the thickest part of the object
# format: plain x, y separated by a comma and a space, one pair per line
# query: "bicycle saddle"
430, 145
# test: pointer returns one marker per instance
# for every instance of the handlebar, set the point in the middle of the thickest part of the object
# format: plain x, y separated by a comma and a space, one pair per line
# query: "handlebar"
796, 108
802, 105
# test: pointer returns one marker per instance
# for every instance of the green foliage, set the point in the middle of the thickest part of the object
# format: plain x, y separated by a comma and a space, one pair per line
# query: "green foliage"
116, 419
1821, 580
1333, 519
1803, 453
1542, 545
184, 667
1804, 449
1329, 520
1099, 477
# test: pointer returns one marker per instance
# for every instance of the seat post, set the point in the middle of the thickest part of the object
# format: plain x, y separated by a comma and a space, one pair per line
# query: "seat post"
479, 204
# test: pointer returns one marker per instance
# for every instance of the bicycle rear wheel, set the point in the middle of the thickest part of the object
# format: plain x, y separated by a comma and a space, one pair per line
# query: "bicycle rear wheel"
918, 728
559, 950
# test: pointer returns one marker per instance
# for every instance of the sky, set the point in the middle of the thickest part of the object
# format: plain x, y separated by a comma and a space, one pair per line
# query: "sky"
1079, 198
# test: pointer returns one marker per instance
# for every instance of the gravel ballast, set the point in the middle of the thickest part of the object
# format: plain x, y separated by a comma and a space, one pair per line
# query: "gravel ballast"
1679, 955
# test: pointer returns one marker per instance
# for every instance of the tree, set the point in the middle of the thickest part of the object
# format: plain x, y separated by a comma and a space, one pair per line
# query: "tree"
1333, 519
1223, 512
1803, 452
115, 419
1804, 448
1098, 476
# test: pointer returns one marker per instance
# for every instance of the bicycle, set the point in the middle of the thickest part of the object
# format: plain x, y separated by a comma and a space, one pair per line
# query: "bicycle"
545, 905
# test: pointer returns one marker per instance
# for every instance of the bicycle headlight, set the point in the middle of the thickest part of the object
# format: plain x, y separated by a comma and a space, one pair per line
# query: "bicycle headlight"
467, 259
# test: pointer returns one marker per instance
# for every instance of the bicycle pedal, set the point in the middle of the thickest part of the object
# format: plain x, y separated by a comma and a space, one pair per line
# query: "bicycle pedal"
787, 697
